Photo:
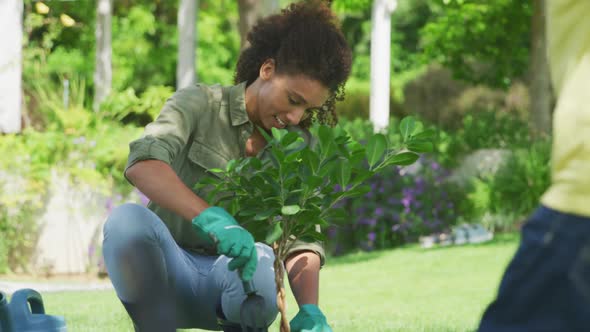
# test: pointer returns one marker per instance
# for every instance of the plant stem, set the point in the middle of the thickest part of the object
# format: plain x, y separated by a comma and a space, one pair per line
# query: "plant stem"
279, 282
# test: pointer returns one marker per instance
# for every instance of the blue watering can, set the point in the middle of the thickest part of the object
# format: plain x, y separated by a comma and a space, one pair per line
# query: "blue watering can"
26, 313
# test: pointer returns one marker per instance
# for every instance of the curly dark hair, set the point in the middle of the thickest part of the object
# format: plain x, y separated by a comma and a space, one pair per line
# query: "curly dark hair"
304, 38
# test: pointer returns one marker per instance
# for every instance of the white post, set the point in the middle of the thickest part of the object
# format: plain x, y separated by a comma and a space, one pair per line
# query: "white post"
103, 73
186, 72
380, 62
11, 37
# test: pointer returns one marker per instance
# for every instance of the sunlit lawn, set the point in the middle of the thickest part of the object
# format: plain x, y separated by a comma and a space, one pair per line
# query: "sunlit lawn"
408, 289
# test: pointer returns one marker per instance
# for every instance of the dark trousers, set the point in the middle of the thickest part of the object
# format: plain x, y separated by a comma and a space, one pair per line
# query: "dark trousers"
546, 286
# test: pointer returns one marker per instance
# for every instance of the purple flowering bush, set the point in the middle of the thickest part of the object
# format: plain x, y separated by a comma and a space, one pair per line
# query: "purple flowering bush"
403, 204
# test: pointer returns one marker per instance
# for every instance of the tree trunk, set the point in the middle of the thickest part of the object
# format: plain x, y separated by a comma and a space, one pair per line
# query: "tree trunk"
11, 36
103, 73
186, 71
539, 76
250, 11
269, 7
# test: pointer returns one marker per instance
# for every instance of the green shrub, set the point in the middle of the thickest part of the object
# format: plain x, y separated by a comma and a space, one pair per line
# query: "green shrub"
126, 106
440, 99
96, 157
483, 130
48, 98
356, 104
501, 200
520, 182
23, 177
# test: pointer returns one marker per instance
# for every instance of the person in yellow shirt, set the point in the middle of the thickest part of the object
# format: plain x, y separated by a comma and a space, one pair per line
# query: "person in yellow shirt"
546, 286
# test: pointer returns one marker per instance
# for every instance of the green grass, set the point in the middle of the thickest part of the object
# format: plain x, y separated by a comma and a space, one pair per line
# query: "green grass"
407, 289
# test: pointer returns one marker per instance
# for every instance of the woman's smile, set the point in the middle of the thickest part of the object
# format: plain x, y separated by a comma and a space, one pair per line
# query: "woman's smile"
280, 123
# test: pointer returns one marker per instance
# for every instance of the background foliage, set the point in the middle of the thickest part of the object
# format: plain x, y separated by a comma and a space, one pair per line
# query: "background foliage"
450, 68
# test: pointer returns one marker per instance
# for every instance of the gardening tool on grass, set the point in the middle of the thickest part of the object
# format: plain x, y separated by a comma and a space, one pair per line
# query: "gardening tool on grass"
253, 305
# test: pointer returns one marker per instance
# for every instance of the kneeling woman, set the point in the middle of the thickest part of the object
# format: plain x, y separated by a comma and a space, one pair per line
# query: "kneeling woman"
165, 268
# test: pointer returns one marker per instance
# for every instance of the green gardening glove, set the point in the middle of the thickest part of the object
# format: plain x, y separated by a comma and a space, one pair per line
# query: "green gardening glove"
310, 319
215, 226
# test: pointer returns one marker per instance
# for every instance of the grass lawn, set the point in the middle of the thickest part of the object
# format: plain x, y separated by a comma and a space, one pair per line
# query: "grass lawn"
406, 289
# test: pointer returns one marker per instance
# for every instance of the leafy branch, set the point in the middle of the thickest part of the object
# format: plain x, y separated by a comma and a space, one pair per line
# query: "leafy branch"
289, 191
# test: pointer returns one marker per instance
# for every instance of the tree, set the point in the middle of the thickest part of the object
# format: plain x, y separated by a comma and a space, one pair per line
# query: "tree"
103, 73
495, 43
539, 77
484, 42
187, 35
250, 11
11, 13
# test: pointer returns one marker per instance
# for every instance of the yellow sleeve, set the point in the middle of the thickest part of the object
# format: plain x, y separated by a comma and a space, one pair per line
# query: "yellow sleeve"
568, 49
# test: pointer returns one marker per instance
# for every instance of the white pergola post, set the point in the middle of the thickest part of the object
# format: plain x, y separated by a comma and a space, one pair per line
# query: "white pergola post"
380, 62
11, 36
186, 70
103, 71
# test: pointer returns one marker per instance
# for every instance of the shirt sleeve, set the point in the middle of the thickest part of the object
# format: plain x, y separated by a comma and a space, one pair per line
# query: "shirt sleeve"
164, 138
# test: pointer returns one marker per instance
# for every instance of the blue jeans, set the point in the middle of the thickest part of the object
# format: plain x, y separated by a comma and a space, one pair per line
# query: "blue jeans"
164, 287
546, 286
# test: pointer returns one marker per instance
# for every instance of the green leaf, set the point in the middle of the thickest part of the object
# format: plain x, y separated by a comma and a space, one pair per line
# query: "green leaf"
255, 163
200, 185
403, 158
327, 166
313, 236
289, 138
314, 181
230, 165
206, 181
342, 174
325, 135
289, 210
309, 216
274, 233
326, 141
358, 191
278, 134
278, 154
234, 207
264, 214
361, 175
407, 126
215, 170
426, 134
258, 182
376, 148
323, 222
337, 214
357, 154
271, 180
311, 160
264, 134
246, 213
272, 199
328, 151
420, 146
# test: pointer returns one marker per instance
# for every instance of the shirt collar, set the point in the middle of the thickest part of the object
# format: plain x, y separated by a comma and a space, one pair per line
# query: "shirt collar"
237, 104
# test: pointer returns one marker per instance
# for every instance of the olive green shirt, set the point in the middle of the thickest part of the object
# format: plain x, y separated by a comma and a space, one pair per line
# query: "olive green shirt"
199, 128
